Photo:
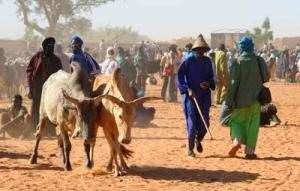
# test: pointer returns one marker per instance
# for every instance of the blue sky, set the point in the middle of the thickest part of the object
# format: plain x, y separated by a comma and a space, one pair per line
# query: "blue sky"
167, 19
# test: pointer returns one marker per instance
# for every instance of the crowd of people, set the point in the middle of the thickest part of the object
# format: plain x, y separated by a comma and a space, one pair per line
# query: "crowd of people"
51, 58
232, 79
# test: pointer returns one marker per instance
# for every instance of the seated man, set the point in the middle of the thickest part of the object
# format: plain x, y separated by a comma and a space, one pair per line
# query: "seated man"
144, 114
268, 115
15, 121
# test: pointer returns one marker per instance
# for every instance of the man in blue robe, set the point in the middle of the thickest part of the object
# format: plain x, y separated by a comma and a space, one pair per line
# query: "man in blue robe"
85, 60
196, 80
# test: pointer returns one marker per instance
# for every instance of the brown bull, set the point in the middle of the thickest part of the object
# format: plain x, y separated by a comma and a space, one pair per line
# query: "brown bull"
117, 116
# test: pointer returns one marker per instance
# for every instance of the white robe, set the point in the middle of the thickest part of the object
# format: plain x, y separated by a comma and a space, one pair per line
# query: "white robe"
109, 65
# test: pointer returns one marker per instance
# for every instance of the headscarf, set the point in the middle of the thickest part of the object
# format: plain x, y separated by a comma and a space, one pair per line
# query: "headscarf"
76, 40
48, 46
48, 41
246, 45
110, 53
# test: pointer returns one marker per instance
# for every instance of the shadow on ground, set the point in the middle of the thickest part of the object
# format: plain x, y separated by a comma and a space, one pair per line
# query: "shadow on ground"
13, 155
265, 158
191, 175
33, 167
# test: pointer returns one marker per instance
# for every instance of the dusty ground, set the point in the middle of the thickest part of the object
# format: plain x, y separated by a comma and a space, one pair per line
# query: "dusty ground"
160, 161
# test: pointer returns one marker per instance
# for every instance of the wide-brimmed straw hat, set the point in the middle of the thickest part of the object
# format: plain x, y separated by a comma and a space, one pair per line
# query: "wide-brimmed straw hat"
201, 43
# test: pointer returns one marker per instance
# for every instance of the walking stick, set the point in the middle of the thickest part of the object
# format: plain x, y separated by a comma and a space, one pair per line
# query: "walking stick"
203, 120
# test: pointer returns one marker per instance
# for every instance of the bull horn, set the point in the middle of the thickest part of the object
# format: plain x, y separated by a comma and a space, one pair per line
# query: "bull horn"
110, 98
143, 100
69, 98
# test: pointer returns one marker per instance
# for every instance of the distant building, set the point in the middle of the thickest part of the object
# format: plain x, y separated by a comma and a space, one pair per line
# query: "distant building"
227, 38
286, 42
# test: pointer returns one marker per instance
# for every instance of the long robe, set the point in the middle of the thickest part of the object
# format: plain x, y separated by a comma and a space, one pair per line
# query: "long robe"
244, 125
38, 71
191, 73
222, 76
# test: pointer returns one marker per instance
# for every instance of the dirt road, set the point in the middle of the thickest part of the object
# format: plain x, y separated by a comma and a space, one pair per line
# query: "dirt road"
160, 161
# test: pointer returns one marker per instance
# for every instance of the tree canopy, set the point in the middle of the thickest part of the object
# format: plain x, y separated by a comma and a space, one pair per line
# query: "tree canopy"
57, 18
262, 35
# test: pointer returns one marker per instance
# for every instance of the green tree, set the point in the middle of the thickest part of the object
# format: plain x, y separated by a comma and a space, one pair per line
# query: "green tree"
266, 24
57, 17
30, 35
262, 35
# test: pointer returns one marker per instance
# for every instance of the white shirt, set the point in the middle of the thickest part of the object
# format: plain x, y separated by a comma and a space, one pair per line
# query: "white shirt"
109, 65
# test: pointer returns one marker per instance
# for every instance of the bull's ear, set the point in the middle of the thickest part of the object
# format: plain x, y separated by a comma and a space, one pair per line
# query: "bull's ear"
142, 100
113, 99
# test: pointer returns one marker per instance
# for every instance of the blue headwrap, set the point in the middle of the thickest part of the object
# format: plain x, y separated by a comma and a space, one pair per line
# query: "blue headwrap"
246, 45
76, 40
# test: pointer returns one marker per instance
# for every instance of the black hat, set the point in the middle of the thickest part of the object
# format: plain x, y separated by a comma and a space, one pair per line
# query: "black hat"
48, 41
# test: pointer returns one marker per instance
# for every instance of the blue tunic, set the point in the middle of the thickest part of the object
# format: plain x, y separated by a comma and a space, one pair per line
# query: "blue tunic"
191, 73
85, 60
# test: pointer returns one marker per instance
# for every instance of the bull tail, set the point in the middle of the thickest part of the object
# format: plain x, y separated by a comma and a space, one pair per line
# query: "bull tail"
126, 152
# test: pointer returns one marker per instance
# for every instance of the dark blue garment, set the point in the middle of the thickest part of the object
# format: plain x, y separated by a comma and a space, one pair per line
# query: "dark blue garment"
194, 124
85, 60
191, 73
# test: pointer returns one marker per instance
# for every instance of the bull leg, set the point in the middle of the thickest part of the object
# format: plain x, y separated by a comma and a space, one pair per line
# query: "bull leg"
116, 152
87, 149
41, 126
92, 154
112, 152
118, 171
123, 163
67, 149
61, 149
109, 166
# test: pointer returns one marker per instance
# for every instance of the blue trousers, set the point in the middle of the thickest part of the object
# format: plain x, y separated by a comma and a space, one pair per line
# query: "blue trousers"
194, 124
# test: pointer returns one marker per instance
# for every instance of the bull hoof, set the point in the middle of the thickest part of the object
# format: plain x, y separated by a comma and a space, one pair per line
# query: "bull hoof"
33, 159
124, 167
89, 164
68, 167
118, 173
109, 168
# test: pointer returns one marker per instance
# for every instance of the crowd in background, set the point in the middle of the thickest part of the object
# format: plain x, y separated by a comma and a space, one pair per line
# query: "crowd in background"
140, 61
199, 74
